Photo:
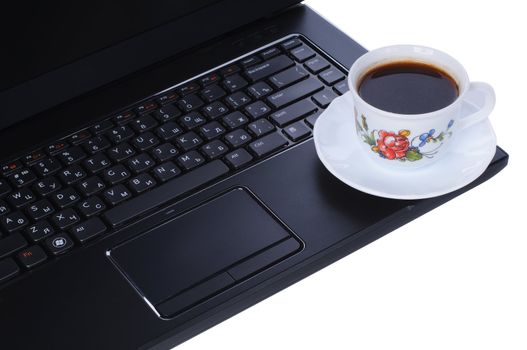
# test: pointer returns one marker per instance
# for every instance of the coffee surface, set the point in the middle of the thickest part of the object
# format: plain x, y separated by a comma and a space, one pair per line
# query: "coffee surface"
408, 87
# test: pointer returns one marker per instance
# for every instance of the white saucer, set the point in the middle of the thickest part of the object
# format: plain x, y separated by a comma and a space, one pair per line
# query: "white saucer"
338, 148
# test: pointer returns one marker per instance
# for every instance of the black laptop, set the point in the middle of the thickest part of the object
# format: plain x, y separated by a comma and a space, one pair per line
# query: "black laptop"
158, 173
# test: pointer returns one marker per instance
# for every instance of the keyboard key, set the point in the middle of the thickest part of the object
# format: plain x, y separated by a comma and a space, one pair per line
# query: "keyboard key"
39, 230
229, 70
167, 97
166, 171
166, 113
235, 119
211, 130
238, 99
33, 157
267, 144
214, 149
140, 163
72, 174
293, 112
46, 186
4, 208
190, 160
88, 230
21, 197
323, 98
91, 206
65, 218
31, 257
11, 244
237, 138
331, 76
297, 131
46, 167
295, 92
121, 152
188, 88
257, 109
91, 185
59, 244
288, 77
312, 119
268, 53
215, 109
9, 167
316, 64
65, 197
96, 144
56, 147
238, 158
212, 93
291, 43
71, 155
123, 118
40, 209
261, 127
190, 103
249, 61
8, 269
166, 192
79, 137
168, 131
116, 194
259, 89
188, 141
96, 163
192, 120
115, 174
22, 177
269, 67
101, 127
302, 53
234, 83
141, 183
4, 187
208, 79
120, 134
164, 152
145, 107
144, 123
145, 141
341, 88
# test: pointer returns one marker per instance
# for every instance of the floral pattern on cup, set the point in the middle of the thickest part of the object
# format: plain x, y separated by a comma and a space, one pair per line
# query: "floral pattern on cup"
398, 145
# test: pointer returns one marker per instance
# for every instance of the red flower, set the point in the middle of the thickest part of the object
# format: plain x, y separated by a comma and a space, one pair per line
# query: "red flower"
392, 145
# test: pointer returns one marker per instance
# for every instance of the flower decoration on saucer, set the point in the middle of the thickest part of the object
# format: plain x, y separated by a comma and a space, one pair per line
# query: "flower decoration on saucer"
412, 125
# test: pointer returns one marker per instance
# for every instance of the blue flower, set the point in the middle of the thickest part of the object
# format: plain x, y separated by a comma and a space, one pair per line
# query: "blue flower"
426, 137
450, 123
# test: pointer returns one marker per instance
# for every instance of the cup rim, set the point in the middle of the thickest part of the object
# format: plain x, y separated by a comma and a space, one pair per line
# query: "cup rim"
461, 80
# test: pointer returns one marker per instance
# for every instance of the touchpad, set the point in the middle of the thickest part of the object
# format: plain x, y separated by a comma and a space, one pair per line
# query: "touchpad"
203, 251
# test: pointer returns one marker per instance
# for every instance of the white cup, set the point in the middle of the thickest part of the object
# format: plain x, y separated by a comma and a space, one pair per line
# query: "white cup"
414, 140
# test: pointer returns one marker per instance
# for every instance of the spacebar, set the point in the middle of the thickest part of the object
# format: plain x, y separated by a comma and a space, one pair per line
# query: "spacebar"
166, 192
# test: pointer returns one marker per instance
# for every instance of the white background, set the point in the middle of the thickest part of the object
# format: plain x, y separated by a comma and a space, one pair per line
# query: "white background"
453, 279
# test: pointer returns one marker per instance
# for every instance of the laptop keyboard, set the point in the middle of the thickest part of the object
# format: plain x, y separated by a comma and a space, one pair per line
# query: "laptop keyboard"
79, 188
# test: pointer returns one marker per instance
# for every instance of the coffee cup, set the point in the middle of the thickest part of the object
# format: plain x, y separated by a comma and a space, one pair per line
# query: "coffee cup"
411, 101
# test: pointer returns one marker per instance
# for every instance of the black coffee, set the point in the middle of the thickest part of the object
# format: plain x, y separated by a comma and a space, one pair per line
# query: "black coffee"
408, 87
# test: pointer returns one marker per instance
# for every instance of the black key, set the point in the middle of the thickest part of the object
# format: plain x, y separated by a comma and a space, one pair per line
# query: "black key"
190, 102
312, 119
268, 53
47, 186
22, 177
4, 208
39, 230
65, 218
212, 93
124, 117
31, 256
190, 160
120, 134
208, 79
120, 152
215, 109
316, 64
211, 130
167, 97
71, 155
238, 158
192, 120
166, 113
11, 244
65, 197
259, 89
166, 171
297, 131
145, 141
72, 174
238, 99
8, 269
295, 92
257, 109
288, 77
88, 230
293, 112
302, 53
229, 70
214, 149
267, 144
188, 88
331, 76
33, 157
168, 131
21, 197
96, 144
13, 221
234, 83
291, 43
116, 194
9, 167
140, 163
237, 138
323, 98
144, 123
188, 141
91, 206
59, 244
46, 167
79, 137
261, 127
56, 147
101, 127
115, 174
235, 119
141, 183
341, 88
250, 61
145, 107
166, 192
40, 209
164, 152
268, 67
96, 163
4, 187
91, 185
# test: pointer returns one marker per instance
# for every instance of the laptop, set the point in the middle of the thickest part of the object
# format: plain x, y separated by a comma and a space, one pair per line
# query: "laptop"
158, 173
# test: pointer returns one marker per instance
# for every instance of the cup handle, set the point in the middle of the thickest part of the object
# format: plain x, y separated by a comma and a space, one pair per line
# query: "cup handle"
481, 97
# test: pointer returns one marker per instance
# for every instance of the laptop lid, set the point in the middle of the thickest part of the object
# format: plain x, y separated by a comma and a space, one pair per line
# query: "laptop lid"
54, 51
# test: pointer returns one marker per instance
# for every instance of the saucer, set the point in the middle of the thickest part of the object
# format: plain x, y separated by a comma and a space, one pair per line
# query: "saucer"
338, 148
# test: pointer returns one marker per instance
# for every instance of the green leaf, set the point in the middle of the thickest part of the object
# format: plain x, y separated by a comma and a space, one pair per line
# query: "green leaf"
413, 155
364, 124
